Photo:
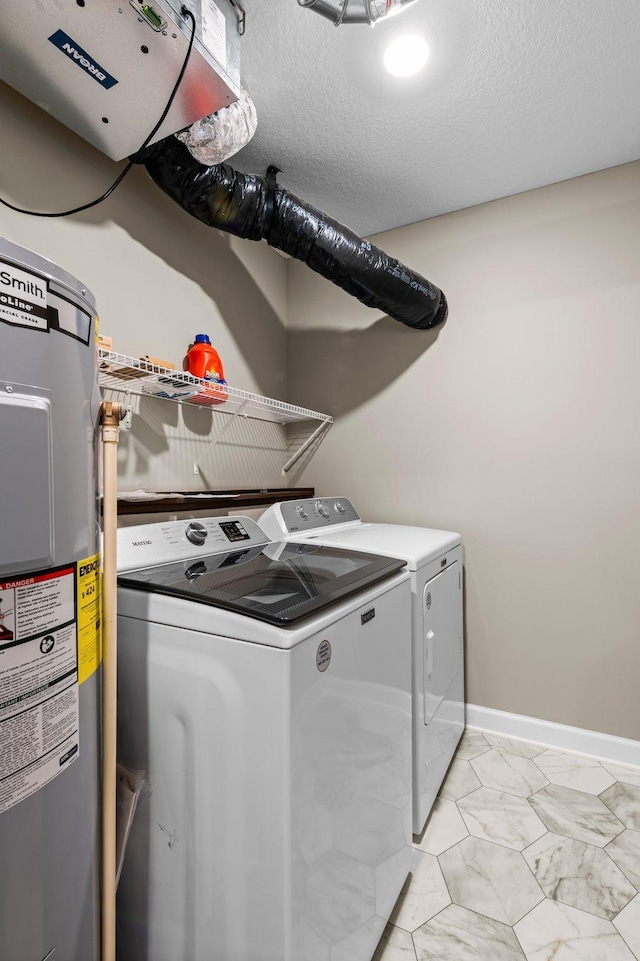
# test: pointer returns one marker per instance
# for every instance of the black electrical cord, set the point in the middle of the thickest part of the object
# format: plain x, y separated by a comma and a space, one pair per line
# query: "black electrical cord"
185, 12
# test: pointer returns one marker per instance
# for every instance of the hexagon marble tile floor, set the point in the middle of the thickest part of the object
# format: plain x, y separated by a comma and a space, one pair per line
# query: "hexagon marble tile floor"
529, 854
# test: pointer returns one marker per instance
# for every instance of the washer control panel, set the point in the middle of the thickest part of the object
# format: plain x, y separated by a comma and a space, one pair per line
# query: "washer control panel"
152, 544
308, 515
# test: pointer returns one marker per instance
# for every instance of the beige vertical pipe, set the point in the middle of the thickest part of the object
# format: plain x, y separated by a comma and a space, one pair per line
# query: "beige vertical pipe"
110, 417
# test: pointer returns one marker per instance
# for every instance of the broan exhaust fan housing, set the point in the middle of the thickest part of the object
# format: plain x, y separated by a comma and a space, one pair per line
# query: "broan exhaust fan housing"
106, 69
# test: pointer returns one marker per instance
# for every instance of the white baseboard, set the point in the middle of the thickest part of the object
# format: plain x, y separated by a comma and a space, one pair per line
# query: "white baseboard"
578, 740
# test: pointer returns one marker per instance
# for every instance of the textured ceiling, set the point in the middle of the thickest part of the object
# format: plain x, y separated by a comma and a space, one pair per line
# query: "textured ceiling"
516, 95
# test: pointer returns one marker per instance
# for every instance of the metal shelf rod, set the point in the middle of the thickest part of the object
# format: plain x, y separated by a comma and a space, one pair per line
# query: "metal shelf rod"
221, 432
307, 444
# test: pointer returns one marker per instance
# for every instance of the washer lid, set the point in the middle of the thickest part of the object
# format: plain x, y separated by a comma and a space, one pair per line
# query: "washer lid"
279, 583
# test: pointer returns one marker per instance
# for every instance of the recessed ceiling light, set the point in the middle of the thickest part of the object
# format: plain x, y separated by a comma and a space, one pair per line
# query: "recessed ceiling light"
406, 55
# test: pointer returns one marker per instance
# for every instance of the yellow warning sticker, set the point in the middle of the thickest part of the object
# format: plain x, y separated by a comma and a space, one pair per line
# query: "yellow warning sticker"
89, 586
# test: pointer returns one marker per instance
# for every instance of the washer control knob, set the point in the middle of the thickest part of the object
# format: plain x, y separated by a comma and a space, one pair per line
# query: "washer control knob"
341, 509
322, 509
196, 533
302, 512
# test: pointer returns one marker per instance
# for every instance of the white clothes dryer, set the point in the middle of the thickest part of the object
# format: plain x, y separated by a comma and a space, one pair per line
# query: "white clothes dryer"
434, 559
265, 688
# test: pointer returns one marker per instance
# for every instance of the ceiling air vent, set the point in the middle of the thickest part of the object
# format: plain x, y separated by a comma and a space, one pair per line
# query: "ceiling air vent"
355, 11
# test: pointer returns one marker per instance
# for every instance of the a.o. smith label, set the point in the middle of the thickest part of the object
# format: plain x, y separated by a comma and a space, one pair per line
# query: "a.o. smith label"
23, 298
26, 300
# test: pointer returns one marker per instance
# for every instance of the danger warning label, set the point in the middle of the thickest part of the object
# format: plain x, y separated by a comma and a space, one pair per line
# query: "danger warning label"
38, 681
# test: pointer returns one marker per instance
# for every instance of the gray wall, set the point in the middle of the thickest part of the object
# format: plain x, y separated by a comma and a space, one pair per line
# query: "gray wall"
516, 424
158, 277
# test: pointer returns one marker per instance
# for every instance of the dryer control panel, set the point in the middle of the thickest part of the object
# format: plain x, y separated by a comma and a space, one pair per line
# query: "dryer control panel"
151, 544
315, 513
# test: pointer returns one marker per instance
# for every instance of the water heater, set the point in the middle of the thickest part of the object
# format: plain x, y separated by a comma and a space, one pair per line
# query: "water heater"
49, 614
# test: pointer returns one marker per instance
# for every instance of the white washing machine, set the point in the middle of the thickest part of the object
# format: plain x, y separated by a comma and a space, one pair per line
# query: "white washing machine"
265, 688
434, 559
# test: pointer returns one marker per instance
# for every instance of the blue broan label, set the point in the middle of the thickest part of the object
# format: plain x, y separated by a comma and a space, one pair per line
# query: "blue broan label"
84, 60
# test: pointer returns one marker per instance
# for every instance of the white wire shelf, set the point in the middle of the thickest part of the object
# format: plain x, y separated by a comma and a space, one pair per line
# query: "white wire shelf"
136, 376
133, 376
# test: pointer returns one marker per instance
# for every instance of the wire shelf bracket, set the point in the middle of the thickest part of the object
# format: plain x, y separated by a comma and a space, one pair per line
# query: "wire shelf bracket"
223, 430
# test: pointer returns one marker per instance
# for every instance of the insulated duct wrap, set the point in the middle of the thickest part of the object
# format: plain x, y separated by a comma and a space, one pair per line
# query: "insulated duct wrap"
219, 136
248, 207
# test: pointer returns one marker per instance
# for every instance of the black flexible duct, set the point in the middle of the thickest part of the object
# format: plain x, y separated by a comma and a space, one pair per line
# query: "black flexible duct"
249, 207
